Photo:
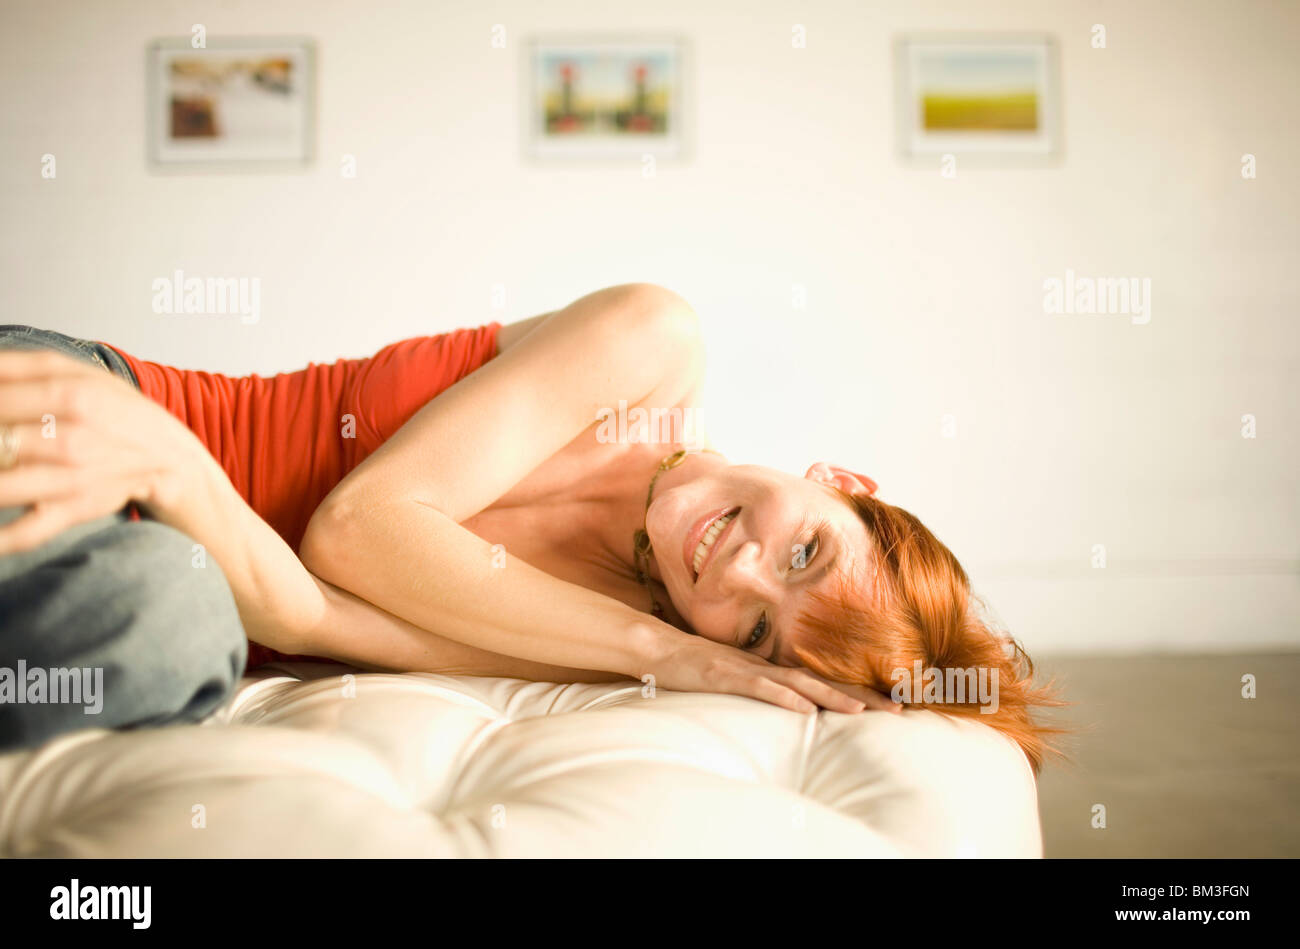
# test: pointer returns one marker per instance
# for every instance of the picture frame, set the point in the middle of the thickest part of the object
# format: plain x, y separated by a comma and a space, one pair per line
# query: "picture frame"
604, 97
991, 98
235, 103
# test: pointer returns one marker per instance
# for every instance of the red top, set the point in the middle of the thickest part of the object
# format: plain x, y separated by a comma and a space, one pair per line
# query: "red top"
287, 440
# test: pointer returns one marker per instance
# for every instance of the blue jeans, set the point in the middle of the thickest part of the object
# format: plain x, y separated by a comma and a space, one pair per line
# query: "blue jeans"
110, 624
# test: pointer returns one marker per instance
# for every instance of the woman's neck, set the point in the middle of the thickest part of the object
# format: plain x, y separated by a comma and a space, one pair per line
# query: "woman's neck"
696, 462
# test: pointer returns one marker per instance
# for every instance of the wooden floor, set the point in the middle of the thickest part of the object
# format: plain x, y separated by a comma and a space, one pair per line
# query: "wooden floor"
1184, 765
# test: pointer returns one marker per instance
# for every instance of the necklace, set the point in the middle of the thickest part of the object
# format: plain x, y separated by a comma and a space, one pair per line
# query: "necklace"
641, 550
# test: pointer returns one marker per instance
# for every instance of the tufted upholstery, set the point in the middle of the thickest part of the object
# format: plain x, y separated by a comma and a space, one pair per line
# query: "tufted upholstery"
422, 765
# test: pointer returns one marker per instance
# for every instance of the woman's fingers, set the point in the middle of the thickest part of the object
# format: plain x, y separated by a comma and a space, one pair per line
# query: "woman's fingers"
790, 689
48, 516
727, 670
824, 694
702, 665
39, 524
829, 694
19, 364
80, 443
48, 483
30, 484
869, 696
50, 397
62, 442
769, 690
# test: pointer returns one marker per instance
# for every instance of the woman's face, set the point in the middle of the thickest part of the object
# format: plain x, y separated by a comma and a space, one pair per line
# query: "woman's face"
740, 548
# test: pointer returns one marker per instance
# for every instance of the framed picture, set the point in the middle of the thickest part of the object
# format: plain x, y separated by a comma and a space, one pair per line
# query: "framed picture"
991, 97
604, 97
233, 103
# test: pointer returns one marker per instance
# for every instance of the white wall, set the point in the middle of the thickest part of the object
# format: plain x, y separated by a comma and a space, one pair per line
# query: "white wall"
925, 294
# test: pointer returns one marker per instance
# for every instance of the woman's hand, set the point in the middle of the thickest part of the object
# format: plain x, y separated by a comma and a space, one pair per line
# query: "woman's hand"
81, 443
77, 443
685, 663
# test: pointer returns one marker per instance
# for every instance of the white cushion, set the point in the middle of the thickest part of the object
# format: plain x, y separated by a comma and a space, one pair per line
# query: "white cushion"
305, 761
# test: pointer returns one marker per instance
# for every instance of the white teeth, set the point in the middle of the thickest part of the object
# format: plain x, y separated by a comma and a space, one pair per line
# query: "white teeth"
710, 535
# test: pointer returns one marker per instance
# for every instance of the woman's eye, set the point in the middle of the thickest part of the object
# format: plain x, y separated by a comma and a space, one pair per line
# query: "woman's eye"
804, 553
759, 631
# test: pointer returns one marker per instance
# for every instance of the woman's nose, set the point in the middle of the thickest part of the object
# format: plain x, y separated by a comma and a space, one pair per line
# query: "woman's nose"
744, 572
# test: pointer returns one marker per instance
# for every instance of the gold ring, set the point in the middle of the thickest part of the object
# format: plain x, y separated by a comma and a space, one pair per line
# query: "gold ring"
8, 447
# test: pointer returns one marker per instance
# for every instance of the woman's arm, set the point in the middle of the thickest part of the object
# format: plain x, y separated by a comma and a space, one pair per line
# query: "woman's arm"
391, 531
393, 645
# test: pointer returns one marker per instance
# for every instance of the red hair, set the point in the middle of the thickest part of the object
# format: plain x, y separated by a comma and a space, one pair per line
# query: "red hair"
920, 608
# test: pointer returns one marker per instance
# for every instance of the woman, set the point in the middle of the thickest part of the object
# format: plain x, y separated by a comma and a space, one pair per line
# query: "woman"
455, 511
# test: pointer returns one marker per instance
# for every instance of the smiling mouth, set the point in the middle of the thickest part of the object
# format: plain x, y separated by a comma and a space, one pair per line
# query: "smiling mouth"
712, 532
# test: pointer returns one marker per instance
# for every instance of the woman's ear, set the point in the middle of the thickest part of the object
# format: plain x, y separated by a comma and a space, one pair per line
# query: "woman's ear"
847, 481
